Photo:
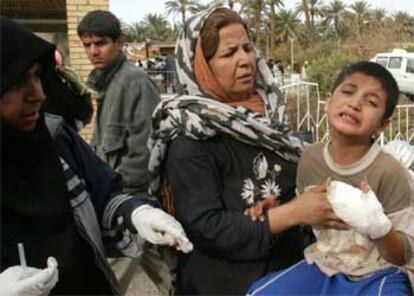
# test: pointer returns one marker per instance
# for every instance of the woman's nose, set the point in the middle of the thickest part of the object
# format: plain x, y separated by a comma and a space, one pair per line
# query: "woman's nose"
244, 58
35, 92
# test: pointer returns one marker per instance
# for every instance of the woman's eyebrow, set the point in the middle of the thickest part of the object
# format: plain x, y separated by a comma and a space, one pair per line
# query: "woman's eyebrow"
229, 48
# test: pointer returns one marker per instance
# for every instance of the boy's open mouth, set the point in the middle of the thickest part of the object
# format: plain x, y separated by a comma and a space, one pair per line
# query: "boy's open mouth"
348, 118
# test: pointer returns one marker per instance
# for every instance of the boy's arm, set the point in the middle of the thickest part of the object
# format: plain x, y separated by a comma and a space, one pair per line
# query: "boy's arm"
395, 246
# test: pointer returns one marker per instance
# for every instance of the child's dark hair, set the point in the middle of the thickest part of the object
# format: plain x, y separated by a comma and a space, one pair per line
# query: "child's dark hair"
100, 23
378, 72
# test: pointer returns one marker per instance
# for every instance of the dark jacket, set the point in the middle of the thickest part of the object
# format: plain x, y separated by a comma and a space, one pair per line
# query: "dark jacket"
97, 218
125, 104
213, 182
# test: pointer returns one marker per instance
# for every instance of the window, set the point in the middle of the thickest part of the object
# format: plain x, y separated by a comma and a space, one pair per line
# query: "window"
382, 61
395, 63
410, 66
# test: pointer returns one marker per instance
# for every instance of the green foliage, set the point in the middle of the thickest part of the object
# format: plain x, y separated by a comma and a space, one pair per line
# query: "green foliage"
358, 27
61, 42
326, 66
303, 53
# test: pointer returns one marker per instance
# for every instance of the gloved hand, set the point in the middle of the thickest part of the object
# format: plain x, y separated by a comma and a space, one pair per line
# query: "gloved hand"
157, 227
402, 151
16, 281
362, 211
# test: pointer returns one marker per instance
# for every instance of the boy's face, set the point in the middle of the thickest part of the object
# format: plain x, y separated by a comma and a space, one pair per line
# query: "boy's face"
356, 108
101, 51
20, 105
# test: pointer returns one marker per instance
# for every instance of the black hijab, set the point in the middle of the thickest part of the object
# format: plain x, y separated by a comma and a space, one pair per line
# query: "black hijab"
34, 202
20, 49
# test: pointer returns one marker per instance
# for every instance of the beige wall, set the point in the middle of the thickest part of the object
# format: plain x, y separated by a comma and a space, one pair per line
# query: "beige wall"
75, 10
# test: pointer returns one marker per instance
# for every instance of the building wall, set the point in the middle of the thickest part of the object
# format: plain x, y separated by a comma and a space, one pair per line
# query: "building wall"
75, 10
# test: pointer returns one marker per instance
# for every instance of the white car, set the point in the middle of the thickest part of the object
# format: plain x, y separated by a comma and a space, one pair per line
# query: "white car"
401, 65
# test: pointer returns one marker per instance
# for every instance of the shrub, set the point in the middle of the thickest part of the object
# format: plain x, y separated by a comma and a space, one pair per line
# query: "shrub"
324, 69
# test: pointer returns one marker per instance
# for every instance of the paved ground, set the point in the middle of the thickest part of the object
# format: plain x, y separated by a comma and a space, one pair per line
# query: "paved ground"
141, 285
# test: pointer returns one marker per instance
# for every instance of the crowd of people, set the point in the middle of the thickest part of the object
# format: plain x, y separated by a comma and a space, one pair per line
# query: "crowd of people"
210, 188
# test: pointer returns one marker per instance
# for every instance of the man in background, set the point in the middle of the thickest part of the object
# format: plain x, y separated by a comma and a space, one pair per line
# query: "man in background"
126, 98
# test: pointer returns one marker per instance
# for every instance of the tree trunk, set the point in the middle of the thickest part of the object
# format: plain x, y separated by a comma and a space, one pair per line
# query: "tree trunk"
258, 19
308, 20
272, 27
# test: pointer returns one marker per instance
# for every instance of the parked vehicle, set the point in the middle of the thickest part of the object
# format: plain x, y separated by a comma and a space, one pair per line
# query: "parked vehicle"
401, 65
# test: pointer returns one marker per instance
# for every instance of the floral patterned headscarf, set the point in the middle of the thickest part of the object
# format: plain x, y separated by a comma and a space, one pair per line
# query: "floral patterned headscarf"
197, 115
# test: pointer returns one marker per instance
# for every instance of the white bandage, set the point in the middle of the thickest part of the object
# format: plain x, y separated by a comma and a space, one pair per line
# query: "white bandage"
361, 211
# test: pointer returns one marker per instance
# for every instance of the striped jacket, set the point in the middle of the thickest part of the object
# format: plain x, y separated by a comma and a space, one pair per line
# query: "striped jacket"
101, 211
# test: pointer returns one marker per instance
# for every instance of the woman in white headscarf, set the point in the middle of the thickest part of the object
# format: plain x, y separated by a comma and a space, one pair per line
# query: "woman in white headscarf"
220, 147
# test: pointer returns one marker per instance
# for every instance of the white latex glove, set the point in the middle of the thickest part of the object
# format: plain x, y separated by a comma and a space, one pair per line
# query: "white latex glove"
16, 281
362, 211
160, 228
402, 151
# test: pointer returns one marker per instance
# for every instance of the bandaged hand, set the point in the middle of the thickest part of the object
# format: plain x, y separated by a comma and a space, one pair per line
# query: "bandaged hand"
29, 281
362, 211
157, 227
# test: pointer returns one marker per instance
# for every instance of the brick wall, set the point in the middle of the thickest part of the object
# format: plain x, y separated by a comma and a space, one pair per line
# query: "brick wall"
75, 10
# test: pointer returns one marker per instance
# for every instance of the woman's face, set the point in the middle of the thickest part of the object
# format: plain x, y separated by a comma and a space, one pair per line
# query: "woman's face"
234, 63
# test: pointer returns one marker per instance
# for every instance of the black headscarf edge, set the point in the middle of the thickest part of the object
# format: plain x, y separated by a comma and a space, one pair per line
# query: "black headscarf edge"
20, 49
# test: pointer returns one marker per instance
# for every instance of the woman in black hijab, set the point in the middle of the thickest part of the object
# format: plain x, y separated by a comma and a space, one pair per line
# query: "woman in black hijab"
57, 197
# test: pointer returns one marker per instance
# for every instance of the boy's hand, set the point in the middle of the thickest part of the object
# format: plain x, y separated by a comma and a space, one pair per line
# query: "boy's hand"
256, 212
360, 209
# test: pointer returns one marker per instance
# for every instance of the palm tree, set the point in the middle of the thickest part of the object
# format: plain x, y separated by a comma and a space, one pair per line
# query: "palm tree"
287, 24
180, 7
378, 19
259, 8
198, 7
315, 9
360, 13
272, 25
134, 32
378, 15
253, 11
305, 9
404, 26
312, 10
334, 13
156, 27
